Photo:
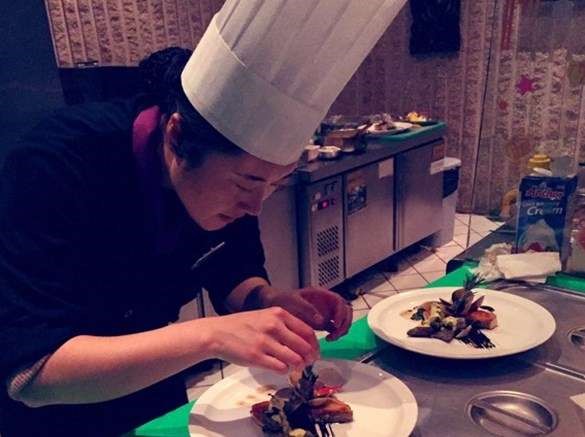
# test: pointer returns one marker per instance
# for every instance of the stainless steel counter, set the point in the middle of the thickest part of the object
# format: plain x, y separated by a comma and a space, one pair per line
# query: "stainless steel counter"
524, 395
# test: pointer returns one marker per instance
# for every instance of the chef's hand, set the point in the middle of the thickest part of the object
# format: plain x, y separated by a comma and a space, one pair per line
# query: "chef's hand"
319, 308
271, 338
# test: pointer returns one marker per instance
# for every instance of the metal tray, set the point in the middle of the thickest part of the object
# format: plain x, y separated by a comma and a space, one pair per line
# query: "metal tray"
524, 395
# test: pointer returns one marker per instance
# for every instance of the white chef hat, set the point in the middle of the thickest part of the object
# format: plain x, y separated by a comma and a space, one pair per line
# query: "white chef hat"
266, 72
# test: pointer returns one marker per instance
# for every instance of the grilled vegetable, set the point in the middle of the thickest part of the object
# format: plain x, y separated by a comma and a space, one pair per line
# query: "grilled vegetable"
460, 318
483, 319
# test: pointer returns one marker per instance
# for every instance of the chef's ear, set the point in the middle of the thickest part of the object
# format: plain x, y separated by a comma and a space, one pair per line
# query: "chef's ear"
173, 134
173, 128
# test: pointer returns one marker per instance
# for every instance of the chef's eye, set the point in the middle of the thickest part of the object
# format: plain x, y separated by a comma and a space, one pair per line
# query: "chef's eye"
242, 188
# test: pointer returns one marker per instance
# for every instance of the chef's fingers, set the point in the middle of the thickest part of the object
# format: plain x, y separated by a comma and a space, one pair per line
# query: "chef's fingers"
309, 351
283, 353
271, 363
343, 315
306, 311
303, 330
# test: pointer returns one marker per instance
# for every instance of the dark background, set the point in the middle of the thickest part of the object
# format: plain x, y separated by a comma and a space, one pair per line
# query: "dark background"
31, 85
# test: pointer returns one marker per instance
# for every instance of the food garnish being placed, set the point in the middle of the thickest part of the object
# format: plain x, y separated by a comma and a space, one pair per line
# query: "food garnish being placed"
462, 319
305, 409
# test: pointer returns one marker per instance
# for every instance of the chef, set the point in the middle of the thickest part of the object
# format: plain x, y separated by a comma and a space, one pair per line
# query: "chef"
113, 215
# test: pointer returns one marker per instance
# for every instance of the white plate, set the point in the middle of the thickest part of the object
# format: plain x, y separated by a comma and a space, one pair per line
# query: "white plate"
382, 405
522, 324
400, 127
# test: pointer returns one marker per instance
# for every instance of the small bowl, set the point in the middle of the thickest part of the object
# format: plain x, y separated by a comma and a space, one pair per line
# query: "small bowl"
329, 152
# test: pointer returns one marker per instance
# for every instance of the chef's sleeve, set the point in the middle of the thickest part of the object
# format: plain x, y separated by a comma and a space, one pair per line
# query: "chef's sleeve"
38, 257
240, 258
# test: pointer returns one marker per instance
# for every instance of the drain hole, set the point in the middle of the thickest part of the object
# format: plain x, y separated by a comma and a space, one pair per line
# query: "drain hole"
512, 414
577, 337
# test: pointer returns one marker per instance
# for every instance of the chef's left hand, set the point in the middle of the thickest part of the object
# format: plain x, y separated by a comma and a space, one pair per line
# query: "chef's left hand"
319, 308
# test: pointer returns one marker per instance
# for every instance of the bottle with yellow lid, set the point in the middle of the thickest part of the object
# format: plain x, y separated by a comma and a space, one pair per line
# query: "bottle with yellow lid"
539, 160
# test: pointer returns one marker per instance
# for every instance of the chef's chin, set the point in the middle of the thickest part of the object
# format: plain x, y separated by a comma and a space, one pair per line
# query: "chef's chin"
215, 223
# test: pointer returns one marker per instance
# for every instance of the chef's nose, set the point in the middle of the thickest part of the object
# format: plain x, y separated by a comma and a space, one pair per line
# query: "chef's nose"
253, 204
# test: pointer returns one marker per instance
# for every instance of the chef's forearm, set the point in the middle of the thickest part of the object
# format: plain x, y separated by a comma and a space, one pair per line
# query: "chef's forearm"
89, 369
250, 294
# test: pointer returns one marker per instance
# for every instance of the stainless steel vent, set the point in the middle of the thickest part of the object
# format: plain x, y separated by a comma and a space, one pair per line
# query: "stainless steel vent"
321, 233
329, 271
327, 241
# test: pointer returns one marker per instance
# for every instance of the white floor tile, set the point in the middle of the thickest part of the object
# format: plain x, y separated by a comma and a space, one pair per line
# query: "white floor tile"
374, 297
448, 253
482, 224
462, 240
450, 244
432, 276
409, 282
405, 272
358, 314
359, 304
460, 229
361, 285
419, 256
432, 263
399, 265
462, 218
474, 238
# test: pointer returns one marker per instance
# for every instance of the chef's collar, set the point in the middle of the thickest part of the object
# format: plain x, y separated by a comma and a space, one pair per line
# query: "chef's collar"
164, 215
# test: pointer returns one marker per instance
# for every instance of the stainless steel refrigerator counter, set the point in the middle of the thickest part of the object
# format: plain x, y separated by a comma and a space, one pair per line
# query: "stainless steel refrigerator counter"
351, 213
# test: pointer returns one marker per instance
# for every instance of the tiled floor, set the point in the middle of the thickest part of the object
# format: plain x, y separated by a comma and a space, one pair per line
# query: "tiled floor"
413, 268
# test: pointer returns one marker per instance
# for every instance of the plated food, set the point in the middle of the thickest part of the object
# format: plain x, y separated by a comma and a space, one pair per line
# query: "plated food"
304, 409
380, 403
521, 323
381, 126
463, 319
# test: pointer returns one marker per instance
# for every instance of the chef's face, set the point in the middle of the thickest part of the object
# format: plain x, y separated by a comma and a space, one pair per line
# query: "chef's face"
223, 187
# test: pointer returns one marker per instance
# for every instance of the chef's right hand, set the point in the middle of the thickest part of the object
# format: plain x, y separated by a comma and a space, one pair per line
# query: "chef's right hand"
270, 338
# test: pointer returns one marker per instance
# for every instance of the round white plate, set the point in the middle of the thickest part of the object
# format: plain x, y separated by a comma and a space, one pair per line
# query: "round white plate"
382, 405
522, 324
400, 127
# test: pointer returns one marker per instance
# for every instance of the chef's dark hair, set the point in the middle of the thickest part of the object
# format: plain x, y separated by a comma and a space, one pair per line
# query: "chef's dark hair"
161, 76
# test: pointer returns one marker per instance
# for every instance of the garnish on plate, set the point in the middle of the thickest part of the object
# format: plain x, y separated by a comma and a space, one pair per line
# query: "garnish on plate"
462, 319
305, 409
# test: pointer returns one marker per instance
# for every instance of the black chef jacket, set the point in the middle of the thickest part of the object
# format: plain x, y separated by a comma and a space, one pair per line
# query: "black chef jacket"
76, 257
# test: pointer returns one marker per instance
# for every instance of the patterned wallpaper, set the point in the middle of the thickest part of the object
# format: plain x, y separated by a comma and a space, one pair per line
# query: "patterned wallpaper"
534, 96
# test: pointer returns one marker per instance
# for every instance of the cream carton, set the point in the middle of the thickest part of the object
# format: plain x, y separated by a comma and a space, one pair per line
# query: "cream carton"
542, 213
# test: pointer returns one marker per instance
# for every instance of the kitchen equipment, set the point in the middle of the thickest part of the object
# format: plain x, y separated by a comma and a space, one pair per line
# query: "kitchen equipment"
522, 395
382, 405
311, 152
419, 193
321, 231
329, 152
398, 128
522, 324
369, 215
278, 231
341, 138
